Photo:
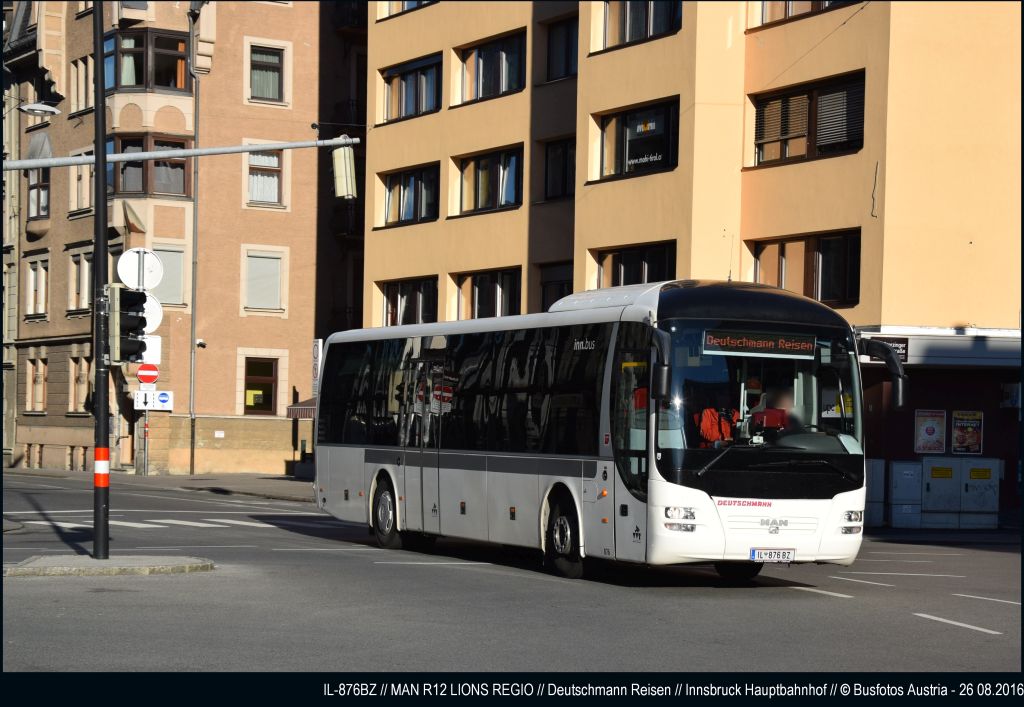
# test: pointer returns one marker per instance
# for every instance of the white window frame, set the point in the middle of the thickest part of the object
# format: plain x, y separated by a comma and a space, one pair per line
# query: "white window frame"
286, 181
81, 185
79, 377
177, 246
80, 280
260, 250
287, 58
283, 383
37, 285
36, 370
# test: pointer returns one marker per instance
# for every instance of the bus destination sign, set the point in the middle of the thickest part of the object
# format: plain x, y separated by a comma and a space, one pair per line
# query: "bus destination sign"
744, 343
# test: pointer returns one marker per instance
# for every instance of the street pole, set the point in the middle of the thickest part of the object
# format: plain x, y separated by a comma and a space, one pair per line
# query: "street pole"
193, 16
100, 305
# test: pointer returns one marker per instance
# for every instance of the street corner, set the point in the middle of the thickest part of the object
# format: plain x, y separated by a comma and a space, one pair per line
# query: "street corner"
87, 566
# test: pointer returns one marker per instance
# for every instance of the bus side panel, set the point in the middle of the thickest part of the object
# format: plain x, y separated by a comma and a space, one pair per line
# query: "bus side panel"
462, 479
344, 474
513, 484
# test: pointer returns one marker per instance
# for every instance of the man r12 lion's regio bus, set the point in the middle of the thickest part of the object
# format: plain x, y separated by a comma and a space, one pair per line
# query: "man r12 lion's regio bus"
667, 423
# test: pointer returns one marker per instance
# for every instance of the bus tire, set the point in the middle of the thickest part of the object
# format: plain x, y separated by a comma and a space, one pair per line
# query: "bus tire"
737, 572
385, 515
562, 549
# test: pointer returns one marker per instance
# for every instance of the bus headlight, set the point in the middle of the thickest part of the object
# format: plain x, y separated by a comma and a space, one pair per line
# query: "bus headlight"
680, 513
853, 516
850, 529
681, 527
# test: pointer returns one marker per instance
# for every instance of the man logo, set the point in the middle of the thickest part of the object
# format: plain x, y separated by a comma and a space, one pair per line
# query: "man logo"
774, 524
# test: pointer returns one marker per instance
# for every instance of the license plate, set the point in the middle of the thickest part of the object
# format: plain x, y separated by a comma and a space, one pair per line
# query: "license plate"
765, 554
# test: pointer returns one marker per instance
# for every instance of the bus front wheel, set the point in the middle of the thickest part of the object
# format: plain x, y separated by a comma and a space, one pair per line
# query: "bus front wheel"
563, 540
385, 516
738, 571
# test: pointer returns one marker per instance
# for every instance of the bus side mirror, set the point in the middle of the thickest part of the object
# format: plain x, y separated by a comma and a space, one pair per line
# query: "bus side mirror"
661, 382
883, 352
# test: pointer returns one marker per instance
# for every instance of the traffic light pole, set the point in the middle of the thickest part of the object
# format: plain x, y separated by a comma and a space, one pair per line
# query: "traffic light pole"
100, 309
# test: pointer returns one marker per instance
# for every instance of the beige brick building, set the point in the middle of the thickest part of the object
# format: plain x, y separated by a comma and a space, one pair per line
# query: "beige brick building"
263, 222
523, 150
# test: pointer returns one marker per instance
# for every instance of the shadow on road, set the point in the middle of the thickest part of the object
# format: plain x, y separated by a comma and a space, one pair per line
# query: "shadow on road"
73, 538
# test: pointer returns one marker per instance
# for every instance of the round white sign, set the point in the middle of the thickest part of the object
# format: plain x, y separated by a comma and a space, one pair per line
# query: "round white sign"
153, 311
140, 269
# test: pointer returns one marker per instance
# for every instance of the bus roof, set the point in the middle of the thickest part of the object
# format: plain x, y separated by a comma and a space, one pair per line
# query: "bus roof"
704, 299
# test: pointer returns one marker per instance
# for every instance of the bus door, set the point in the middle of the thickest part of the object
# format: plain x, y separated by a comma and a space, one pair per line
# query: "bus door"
422, 503
631, 413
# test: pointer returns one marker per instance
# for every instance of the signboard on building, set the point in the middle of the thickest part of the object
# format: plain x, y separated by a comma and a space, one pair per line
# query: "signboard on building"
929, 431
899, 344
967, 431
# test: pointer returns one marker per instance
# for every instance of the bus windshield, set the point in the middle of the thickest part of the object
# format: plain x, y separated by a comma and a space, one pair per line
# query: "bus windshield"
751, 384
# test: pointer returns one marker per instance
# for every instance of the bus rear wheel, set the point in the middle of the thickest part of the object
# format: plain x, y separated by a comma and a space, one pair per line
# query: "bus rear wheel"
563, 540
385, 516
736, 572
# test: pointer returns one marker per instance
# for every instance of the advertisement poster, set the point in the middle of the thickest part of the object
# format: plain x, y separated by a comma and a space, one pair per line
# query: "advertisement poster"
929, 431
967, 429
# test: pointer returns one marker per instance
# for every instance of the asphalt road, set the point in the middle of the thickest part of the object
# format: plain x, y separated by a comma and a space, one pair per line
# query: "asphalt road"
295, 590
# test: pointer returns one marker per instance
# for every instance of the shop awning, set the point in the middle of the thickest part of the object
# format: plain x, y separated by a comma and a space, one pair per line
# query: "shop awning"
303, 410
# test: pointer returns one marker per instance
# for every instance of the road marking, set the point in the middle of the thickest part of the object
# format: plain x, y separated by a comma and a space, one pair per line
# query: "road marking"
822, 591
384, 562
232, 521
957, 623
862, 581
932, 554
134, 525
864, 559
189, 523
1001, 601
37, 486
910, 574
179, 547
13, 513
58, 524
37, 549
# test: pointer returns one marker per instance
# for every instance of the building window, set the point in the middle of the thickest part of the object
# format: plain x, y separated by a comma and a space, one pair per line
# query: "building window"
164, 176
36, 287
146, 60
494, 68
492, 181
560, 168
171, 288
635, 266
263, 280
266, 66
563, 38
35, 384
265, 177
816, 121
826, 267
641, 140
260, 386
776, 10
493, 293
397, 8
410, 302
81, 80
627, 22
80, 191
412, 196
80, 281
79, 373
414, 88
555, 283
39, 193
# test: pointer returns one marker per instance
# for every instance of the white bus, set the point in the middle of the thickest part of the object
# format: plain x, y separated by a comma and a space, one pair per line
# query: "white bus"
667, 423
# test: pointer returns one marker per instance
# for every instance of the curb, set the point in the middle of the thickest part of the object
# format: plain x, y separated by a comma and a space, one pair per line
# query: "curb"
86, 566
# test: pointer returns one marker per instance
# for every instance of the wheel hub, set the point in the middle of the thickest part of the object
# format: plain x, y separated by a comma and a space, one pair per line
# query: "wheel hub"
385, 513
562, 535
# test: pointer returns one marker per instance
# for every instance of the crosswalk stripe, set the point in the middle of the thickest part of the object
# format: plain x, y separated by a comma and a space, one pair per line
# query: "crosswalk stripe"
134, 525
189, 523
306, 524
232, 521
58, 524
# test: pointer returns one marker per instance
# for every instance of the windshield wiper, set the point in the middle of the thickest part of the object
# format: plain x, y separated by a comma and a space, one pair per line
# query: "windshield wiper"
847, 474
703, 469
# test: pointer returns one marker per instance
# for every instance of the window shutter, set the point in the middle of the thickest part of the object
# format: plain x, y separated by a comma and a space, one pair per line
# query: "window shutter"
840, 123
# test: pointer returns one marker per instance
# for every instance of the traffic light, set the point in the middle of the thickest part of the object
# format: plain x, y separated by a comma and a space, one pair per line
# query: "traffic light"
126, 324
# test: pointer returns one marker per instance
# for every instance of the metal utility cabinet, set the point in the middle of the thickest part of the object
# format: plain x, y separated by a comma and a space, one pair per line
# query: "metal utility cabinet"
960, 492
905, 494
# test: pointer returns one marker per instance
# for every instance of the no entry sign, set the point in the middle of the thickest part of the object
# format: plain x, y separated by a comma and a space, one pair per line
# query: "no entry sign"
148, 373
